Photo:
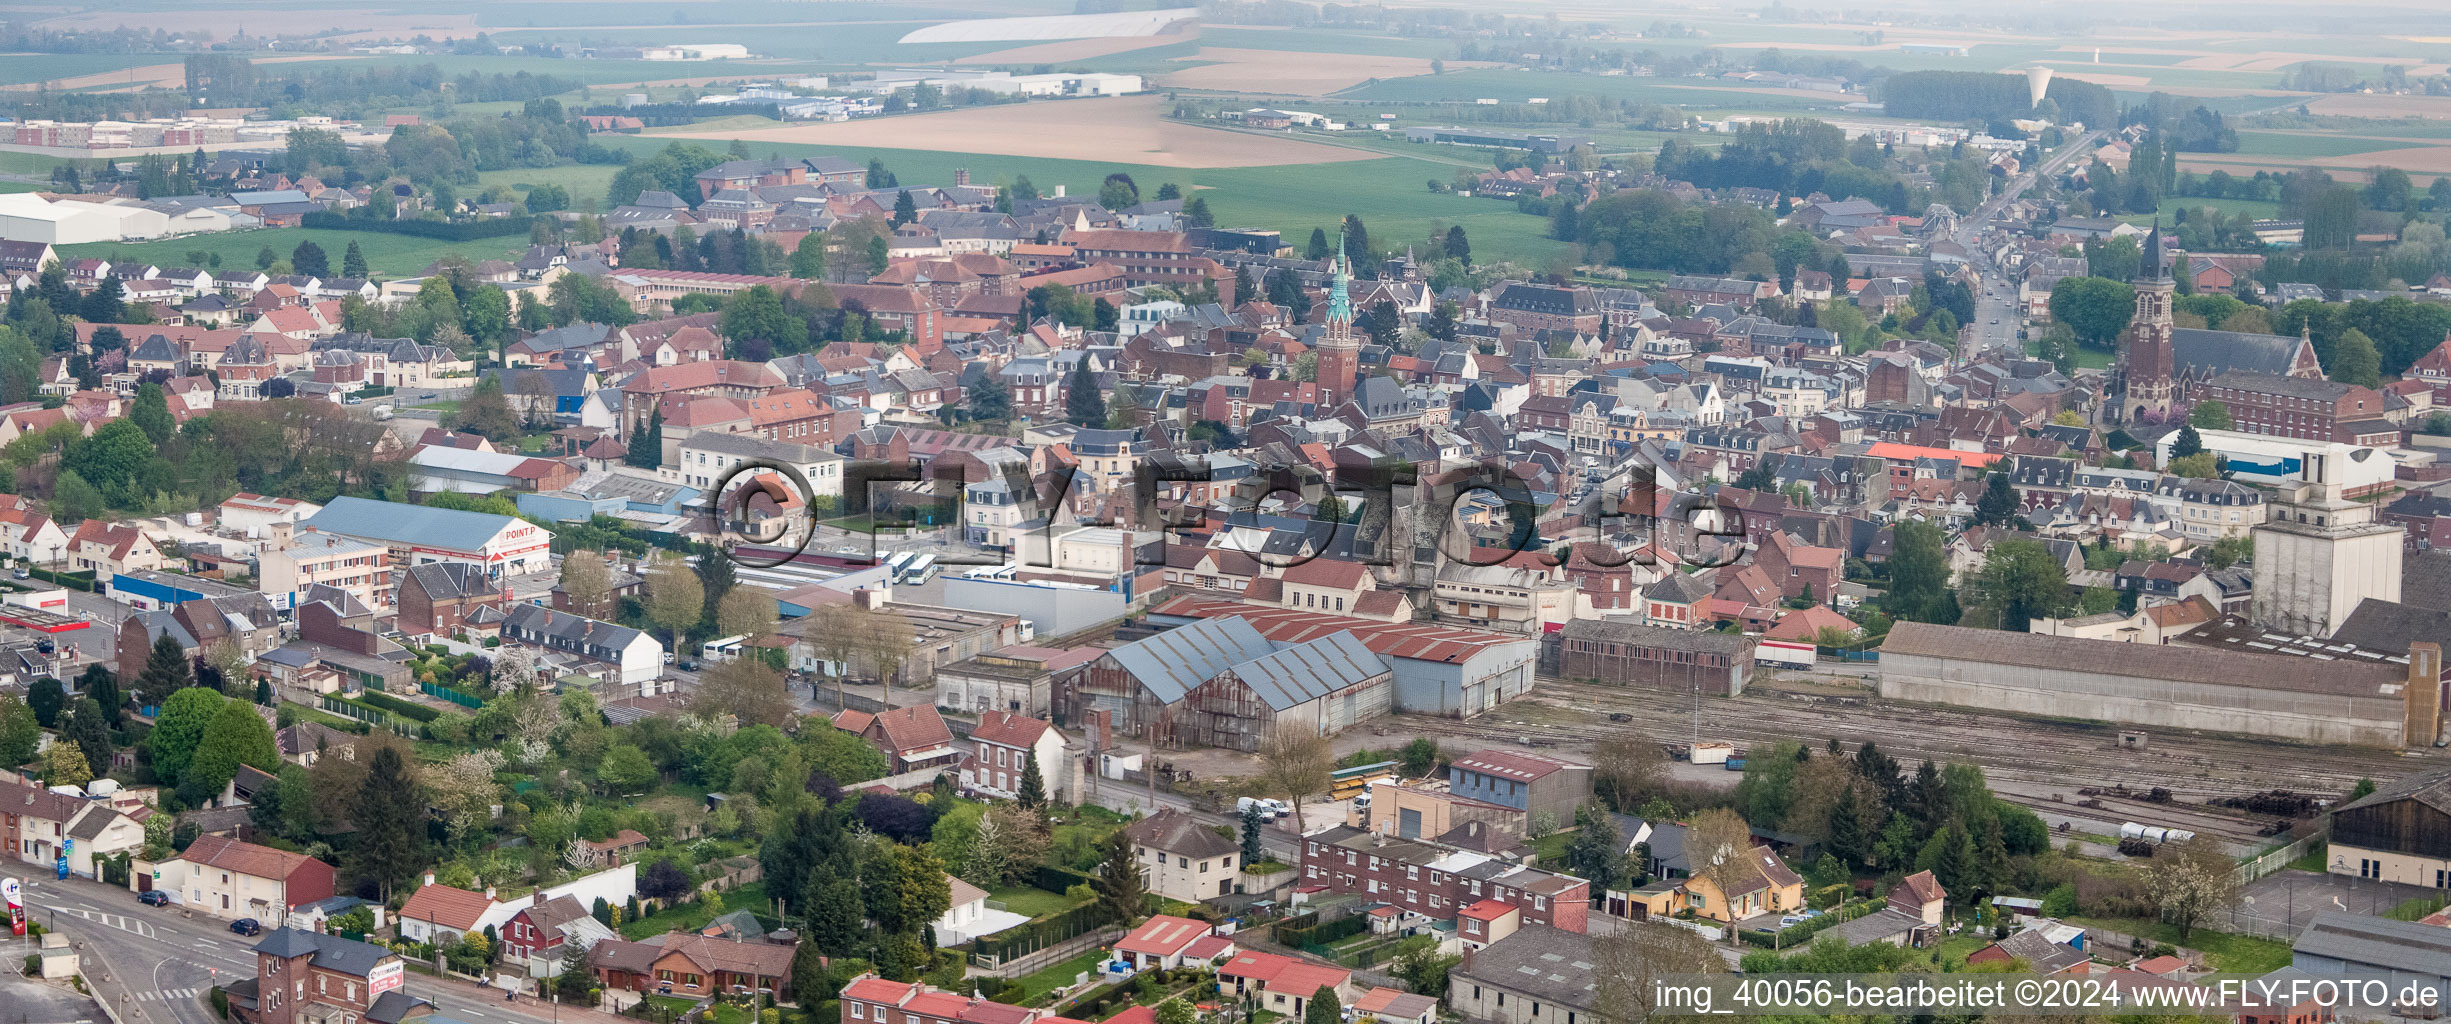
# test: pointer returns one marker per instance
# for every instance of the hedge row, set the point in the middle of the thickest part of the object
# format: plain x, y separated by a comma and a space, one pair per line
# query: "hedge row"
1796, 934
403, 708
1059, 880
448, 231
1322, 934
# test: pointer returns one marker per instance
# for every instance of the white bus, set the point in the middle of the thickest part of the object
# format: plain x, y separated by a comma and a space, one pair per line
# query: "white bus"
896, 562
920, 570
722, 650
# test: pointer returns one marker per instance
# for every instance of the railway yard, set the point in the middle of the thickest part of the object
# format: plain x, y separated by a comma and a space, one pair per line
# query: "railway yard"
2070, 772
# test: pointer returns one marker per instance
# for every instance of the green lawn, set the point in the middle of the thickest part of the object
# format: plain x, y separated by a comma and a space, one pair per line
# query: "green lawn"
2084, 358
387, 255
1032, 901
1036, 984
696, 915
2225, 952
1551, 848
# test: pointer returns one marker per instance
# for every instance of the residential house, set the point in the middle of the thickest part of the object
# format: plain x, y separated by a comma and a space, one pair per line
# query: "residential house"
912, 738
1537, 975
442, 598
635, 658
108, 549
321, 977
1182, 858
693, 966
540, 936
1434, 881
441, 914
1004, 744
228, 879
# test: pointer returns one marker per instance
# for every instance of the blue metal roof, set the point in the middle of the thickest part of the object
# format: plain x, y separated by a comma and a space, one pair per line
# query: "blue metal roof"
422, 525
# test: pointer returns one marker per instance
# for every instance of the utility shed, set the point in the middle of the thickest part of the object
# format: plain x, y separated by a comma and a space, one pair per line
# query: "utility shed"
2243, 690
2403, 953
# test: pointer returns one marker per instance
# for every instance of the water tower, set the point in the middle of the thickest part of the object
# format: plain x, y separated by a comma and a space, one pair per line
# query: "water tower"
2037, 82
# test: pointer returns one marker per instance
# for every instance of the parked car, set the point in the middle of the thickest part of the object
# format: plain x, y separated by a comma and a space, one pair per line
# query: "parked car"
247, 926
153, 898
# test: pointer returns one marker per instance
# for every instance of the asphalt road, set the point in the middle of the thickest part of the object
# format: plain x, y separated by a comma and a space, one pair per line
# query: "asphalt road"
156, 964
1997, 317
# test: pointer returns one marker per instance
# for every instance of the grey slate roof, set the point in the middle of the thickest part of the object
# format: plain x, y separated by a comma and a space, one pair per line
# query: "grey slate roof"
1304, 672
1171, 663
1551, 963
331, 952
2378, 942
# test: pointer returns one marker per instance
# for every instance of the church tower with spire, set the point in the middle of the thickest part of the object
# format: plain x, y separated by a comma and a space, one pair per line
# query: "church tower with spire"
2147, 377
1340, 353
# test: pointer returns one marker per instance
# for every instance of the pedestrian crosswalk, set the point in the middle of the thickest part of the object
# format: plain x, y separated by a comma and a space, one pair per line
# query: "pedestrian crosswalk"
169, 994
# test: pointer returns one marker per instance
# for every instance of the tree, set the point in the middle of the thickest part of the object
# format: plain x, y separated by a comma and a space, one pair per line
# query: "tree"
19, 732
1032, 793
808, 259
884, 642
1999, 504
675, 598
1918, 570
487, 413
309, 260
2187, 443
647, 446
1118, 192
47, 697
915, 888
1295, 763
990, 400
89, 732
1949, 855
1633, 963
758, 326
1719, 845
2200, 466
747, 688
65, 765
1459, 247
2355, 360
745, 611
265, 258
663, 880
1175, 1010
2022, 582
587, 580
1424, 969
2210, 415
152, 412
1324, 1008
391, 838
880, 254
353, 262
236, 736
1418, 758
1083, 402
1627, 768
179, 728
1118, 881
625, 770
1597, 852
1252, 851
2192, 881
2097, 309
837, 917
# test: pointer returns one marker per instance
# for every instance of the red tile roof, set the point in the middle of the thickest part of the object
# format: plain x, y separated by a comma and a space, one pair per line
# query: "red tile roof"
446, 906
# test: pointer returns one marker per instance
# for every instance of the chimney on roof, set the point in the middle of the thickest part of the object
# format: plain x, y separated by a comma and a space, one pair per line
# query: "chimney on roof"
537, 900
489, 893
429, 878
961, 177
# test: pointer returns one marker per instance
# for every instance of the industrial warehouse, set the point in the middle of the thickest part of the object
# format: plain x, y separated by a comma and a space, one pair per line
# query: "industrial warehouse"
2370, 701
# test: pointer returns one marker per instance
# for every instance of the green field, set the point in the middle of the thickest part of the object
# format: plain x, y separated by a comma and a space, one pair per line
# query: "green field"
2279, 144
43, 67
388, 256
1390, 194
2170, 207
1324, 41
1520, 86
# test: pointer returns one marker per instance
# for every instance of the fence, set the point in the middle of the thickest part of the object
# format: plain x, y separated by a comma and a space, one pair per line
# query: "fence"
347, 709
449, 694
2279, 857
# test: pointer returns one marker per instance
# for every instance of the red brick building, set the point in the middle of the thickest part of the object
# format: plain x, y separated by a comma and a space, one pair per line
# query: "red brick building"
2315, 410
441, 597
1437, 881
301, 976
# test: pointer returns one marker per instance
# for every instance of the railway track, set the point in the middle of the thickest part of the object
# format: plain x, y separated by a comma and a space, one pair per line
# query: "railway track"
2028, 759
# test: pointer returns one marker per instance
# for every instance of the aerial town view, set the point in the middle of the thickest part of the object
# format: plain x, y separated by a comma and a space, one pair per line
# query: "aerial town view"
1263, 512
